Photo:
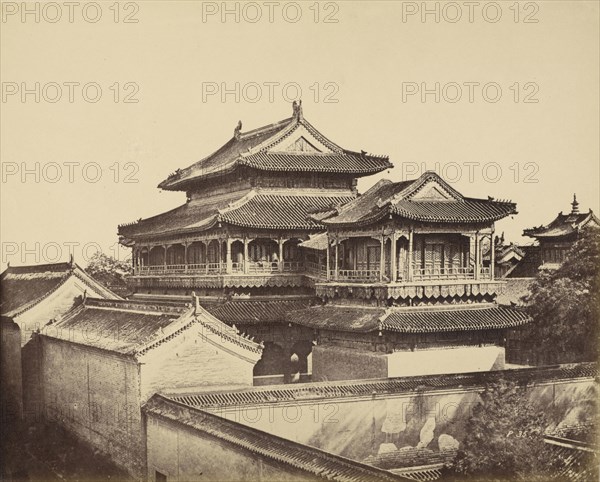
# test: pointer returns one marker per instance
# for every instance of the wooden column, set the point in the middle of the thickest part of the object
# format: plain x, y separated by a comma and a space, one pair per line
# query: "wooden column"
492, 255
394, 259
327, 260
246, 260
185, 257
228, 259
337, 259
165, 259
477, 255
410, 255
281, 241
382, 258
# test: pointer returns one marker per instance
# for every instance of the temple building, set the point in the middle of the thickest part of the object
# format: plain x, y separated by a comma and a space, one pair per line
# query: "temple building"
556, 238
276, 240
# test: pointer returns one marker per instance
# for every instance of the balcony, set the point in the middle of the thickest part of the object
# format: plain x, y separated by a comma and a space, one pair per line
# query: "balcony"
253, 268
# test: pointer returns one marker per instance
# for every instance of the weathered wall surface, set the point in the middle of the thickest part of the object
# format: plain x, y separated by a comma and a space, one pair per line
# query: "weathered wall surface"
56, 304
95, 395
357, 428
335, 363
192, 360
10, 371
184, 454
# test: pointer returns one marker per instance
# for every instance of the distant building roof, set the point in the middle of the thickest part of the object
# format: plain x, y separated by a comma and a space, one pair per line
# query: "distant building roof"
23, 287
265, 149
564, 225
428, 198
316, 241
412, 319
304, 458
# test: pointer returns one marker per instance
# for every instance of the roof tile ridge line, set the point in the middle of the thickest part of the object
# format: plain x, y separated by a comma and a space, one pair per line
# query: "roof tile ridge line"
92, 282
272, 454
27, 306
420, 182
242, 340
179, 325
69, 315
374, 188
272, 140
232, 206
324, 140
263, 129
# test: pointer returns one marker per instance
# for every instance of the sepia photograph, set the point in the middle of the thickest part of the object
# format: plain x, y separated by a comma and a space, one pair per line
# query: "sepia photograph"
353, 240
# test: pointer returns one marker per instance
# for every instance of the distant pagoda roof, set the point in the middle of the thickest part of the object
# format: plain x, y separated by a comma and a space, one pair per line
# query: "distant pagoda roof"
564, 224
428, 198
257, 209
291, 145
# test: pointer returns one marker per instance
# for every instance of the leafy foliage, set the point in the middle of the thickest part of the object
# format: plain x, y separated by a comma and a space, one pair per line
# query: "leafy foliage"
109, 271
505, 438
565, 306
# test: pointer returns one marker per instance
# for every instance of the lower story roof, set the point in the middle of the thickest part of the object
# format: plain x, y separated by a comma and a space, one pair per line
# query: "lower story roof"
484, 316
249, 312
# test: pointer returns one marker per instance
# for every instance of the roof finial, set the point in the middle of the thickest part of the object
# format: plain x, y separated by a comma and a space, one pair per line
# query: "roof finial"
575, 205
297, 109
238, 129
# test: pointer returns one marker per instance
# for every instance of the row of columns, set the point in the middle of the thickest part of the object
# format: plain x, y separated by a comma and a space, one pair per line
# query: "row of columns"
228, 253
394, 260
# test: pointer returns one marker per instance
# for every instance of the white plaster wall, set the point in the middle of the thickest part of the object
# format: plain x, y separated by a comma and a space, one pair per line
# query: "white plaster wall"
449, 360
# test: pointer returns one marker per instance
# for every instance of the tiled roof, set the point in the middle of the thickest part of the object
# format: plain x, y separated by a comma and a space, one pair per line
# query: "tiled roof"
25, 286
467, 210
343, 318
248, 312
529, 266
264, 210
255, 209
415, 320
303, 458
402, 199
316, 241
347, 162
122, 327
411, 457
410, 320
225, 158
257, 149
385, 386
514, 291
197, 214
563, 225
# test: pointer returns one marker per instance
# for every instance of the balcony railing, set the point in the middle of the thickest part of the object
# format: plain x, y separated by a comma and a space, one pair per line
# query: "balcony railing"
427, 274
254, 267
316, 269
356, 274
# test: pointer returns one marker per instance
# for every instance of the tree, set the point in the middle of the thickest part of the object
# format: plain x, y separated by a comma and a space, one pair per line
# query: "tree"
109, 271
564, 305
504, 438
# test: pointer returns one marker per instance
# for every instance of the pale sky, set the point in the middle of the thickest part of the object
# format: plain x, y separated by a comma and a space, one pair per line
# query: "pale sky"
370, 61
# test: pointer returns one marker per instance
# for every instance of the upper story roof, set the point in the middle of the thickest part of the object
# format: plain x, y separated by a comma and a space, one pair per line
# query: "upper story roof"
24, 287
428, 199
291, 145
564, 224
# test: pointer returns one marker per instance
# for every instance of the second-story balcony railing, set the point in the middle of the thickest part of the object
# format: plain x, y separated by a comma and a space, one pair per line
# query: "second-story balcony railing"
254, 267
456, 273
358, 275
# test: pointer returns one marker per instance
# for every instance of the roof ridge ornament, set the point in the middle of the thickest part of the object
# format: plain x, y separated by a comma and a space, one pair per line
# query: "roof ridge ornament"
237, 132
297, 109
575, 204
